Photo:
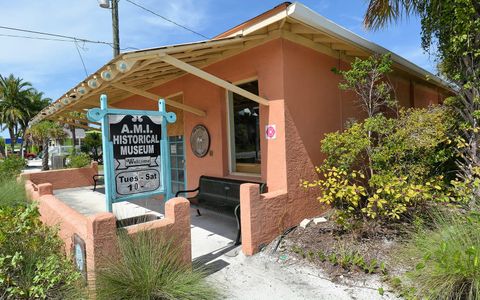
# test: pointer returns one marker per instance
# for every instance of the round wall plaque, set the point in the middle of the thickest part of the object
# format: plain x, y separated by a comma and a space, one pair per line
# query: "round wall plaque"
200, 140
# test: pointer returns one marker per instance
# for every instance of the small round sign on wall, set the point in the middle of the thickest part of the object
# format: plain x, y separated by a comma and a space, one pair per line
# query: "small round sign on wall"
271, 132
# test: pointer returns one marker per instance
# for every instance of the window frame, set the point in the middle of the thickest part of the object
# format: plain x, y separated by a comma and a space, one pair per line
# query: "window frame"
231, 135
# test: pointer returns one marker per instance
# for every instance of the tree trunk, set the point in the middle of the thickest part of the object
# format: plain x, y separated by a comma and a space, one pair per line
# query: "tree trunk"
13, 138
22, 152
74, 135
45, 156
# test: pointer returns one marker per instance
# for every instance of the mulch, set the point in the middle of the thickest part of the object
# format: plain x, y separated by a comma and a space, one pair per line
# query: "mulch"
372, 242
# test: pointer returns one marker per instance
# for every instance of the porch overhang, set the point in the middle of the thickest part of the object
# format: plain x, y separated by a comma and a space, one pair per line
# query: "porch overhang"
137, 72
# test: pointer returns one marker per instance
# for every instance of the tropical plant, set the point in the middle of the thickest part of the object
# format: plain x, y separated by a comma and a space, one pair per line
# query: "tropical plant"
11, 167
12, 193
32, 261
14, 98
450, 30
79, 160
443, 259
2, 147
383, 168
42, 133
71, 119
92, 144
387, 168
150, 267
36, 102
367, 78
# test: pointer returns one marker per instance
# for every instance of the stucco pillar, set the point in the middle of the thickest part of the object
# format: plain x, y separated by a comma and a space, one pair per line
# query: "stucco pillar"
250, 212
275, 167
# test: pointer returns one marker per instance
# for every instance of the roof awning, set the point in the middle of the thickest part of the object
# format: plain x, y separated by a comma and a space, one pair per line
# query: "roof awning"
134, 73
137, 72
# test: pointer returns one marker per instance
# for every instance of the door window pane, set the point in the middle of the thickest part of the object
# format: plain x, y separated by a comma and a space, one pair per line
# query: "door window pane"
245, 115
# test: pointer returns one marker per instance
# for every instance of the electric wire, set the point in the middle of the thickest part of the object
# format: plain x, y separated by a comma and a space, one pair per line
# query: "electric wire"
65, 37
168, 20
81, 58
35, 38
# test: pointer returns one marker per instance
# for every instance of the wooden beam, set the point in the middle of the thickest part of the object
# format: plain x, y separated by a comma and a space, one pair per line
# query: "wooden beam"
77, 125
154, 97
147, 54
337, 46
299, 28
324, 39
211, 78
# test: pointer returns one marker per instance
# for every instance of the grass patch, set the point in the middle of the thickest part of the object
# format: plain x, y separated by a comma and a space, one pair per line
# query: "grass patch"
444, 260
12, 193
150, 267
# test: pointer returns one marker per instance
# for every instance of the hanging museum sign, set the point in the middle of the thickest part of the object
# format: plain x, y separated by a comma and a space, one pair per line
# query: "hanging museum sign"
135, 152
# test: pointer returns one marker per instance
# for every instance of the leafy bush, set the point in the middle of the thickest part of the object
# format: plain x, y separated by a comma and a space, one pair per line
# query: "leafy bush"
12, 193
34, 149
92, 144
11, 167
384, 168
79, 160
150, 268
444, 261
32, 261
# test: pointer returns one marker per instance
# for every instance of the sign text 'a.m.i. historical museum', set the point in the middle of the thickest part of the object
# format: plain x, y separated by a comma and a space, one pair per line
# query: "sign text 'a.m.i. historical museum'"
136, 153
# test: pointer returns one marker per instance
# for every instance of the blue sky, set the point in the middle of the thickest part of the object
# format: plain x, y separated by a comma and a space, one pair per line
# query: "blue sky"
54, 67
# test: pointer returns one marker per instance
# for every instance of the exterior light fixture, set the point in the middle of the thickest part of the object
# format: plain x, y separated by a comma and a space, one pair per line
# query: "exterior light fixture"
93, 83
104, 3
82, 90
66, 101
123, 66
107, 75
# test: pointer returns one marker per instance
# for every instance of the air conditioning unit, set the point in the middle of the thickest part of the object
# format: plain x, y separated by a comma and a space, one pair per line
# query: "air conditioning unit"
58, 162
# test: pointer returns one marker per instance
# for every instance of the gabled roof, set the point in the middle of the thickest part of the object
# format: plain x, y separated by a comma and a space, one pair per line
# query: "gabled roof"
138, 71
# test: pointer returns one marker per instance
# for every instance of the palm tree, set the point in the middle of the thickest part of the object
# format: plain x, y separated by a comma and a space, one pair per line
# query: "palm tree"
14, 98
36, 103
41, 133
382, 12
71, 118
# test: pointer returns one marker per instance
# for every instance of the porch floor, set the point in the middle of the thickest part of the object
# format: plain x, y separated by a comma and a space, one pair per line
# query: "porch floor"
212, 233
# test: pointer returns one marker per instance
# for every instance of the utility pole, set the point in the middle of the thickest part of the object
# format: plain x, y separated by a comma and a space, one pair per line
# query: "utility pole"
116, 35
115, 28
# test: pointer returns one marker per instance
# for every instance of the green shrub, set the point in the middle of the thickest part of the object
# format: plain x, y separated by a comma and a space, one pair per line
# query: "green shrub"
11, 167
92, 144
79, 160
12, 193
34, 149
444, 260
150, 268
32, 261
385, 168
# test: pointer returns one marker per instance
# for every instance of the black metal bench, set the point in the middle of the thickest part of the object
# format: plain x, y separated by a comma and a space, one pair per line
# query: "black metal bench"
95, 179
221, 194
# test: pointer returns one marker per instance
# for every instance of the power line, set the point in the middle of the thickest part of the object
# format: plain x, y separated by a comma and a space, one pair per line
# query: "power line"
168, 20
55, 35
35, 38
81, 58
65, 37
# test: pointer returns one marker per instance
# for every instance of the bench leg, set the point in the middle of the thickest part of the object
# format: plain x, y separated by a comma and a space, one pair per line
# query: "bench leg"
198, 213
94, 184
238, 240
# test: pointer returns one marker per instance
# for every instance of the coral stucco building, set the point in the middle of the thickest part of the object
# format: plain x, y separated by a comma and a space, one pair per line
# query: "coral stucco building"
271, 72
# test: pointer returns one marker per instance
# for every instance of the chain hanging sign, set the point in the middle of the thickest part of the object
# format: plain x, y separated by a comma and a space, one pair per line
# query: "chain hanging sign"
135, 152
